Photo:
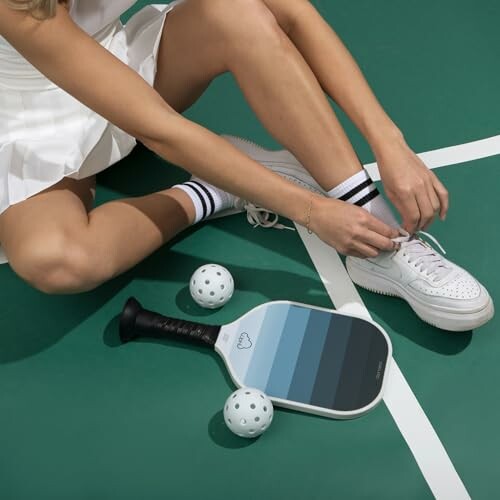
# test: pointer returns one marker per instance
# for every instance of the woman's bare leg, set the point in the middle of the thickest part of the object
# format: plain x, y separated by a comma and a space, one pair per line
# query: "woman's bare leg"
335, 68
56, 242
74, 249
204, 38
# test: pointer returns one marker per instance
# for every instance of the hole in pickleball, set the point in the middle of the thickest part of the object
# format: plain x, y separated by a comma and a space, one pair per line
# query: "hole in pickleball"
212, 293
257, 419
252, 406
237, 405
207, 282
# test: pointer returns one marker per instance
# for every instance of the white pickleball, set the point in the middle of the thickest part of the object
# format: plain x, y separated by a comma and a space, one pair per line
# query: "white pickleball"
211, 286
248, 412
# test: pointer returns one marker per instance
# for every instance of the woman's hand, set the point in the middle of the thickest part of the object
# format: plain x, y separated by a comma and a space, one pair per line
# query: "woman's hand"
414, 190
351, 230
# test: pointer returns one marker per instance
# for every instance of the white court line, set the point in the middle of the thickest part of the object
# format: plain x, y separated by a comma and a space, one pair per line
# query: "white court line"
424, 443
452, 155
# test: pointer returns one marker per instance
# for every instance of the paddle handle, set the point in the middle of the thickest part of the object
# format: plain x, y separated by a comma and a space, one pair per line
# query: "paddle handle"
137, 322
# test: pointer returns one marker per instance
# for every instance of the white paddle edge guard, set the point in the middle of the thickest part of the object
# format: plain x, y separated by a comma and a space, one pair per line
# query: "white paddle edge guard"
231, 331
430, 454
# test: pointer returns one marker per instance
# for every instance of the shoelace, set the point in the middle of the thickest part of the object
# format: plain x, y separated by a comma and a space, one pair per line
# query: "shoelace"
418, 251
423, 257
258, 216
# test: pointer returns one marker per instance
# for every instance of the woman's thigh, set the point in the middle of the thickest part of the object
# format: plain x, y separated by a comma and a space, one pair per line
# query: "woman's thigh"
200, 39
187, 61
60, 209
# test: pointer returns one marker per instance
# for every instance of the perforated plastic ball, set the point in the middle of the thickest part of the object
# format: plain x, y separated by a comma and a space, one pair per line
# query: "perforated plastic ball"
248, 412
211, 286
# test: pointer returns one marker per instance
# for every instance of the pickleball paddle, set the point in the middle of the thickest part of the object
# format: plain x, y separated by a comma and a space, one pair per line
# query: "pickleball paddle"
303, 357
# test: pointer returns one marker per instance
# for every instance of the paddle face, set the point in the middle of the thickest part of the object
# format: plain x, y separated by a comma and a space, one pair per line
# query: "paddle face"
307, 358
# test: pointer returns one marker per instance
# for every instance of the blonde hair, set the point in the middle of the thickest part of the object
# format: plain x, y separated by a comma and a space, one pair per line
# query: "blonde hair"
40, 9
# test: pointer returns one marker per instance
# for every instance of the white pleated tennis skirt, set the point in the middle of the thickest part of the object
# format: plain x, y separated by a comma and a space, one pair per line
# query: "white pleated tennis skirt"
46, 134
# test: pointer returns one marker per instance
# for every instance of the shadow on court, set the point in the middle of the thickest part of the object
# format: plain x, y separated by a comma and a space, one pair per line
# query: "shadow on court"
222, 436
281, 285
35, 321
398, 315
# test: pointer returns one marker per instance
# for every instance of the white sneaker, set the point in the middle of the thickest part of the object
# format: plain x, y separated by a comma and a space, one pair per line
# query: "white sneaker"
281, 162
440, 292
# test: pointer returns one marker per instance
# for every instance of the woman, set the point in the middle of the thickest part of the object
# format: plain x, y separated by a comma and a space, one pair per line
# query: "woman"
78, 89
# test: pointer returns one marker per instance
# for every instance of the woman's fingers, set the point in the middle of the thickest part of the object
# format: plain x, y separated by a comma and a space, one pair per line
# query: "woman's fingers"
442, 194
435, 204
365, 250
375, 236
433, 197
381, 228
376, 240
410, 212
425, 208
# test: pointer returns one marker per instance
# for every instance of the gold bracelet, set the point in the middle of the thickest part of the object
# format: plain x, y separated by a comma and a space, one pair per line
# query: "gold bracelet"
308, 221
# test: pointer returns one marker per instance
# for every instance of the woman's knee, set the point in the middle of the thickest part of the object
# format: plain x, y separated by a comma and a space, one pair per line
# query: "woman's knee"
242, 21
57, 263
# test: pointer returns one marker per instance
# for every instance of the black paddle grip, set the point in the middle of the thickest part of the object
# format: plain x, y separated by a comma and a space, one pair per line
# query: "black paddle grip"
137, 322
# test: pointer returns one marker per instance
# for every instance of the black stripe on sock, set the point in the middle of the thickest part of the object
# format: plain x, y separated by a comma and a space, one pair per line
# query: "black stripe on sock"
200, 196
368, 197
356, 190
209, 194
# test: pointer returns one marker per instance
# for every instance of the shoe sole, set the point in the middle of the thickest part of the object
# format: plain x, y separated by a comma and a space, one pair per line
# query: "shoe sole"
445, 320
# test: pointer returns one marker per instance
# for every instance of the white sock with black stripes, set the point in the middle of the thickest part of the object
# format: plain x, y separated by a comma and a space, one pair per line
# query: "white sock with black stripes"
361, 190
207, 199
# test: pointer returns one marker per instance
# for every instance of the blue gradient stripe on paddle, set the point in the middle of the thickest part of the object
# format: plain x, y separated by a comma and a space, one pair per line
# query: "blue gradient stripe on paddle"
287, 352
308, 361
330, 367
266, 346
310, 356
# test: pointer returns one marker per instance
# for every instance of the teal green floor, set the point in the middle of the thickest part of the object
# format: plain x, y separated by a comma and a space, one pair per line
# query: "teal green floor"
82, 417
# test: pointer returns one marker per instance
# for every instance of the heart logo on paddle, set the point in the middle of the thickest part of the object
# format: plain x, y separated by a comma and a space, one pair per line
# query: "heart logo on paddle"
244, 341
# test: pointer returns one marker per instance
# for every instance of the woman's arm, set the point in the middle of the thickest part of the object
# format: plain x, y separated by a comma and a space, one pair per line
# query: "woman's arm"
78, 64
412, 187
75, 62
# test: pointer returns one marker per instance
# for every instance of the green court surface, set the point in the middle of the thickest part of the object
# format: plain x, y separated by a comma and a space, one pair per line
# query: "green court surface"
82, 417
